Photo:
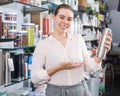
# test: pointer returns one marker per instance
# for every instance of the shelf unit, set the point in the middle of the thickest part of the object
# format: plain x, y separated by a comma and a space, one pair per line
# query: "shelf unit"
27, 8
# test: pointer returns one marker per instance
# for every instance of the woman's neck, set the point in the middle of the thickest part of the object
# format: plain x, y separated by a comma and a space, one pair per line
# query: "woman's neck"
59, 35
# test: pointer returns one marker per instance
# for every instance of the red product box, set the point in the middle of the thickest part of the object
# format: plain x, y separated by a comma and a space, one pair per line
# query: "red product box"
25, 1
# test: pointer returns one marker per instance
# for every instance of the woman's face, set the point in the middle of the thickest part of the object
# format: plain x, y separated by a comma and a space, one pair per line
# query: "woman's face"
63, 20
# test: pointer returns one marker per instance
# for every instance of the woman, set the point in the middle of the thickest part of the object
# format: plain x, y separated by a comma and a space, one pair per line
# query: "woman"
62, 59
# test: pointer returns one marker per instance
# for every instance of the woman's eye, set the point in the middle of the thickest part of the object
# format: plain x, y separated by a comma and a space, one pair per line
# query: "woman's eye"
69, 19
62, 17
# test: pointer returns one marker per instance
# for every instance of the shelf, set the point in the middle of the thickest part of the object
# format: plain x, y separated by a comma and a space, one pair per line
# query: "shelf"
4, 2
51, 7
8, 44
82, 9
89, 26
23, 47
15, 85
9, 39
27, 8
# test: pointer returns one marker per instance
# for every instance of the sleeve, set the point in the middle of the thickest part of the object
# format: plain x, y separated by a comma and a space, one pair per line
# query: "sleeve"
90, 64
38, 73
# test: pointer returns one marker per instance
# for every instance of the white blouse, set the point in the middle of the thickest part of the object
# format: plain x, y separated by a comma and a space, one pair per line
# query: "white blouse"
49, 52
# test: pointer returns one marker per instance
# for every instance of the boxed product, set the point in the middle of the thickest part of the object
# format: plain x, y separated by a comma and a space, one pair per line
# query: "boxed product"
24, 1
82, 3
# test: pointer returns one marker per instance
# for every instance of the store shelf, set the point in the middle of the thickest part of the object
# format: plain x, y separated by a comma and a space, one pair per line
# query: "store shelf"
82, 9
22, 47
4, 2
14, 85
27, 8
89, 26
8, 39
10, 43
51, 7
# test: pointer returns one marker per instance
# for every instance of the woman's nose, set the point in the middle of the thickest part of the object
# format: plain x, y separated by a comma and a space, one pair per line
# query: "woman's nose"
66, 21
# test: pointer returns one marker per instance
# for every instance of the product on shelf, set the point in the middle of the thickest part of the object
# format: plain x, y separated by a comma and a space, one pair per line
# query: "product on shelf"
36, 2
24, 1
46, 25
19, 67
10, 16
12, 34
30, 28
82, 3
22, 38
6, 28
0, 24
1, 68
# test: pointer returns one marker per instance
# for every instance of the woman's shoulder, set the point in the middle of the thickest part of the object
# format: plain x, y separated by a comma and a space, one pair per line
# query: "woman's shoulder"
44, 42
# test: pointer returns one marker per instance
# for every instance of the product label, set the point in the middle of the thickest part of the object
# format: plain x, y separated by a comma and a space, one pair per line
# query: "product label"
10, 64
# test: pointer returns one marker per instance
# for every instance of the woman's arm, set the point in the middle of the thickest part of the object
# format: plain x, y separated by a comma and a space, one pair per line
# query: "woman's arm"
38, 73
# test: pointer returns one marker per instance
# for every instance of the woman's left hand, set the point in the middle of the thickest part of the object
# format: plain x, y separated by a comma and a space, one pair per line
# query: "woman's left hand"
108, 42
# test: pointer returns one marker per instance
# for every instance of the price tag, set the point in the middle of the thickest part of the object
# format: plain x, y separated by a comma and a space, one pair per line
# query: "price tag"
10, 64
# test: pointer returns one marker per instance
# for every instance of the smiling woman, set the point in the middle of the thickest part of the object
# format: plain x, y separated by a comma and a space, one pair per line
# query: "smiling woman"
62, 59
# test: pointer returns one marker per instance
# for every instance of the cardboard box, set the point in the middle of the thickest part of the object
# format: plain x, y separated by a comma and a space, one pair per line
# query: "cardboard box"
37, 18
82, 3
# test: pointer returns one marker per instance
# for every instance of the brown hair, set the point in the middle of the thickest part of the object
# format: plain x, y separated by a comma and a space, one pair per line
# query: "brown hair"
65, 6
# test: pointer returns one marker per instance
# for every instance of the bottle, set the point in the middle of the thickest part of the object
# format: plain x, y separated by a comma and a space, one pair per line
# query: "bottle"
101, 52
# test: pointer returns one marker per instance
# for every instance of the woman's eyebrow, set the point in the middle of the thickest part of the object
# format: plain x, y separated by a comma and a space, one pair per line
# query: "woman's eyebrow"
64, 16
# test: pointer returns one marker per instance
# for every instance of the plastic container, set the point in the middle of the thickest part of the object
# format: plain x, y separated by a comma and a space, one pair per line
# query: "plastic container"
22, 38
6, 28
13, 25
10, 16
12, 34
30, 28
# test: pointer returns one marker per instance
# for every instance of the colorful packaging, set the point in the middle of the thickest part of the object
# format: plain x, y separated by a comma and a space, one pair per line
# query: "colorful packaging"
30, 28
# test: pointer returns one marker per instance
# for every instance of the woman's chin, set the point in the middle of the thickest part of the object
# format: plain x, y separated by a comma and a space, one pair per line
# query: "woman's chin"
64, 31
